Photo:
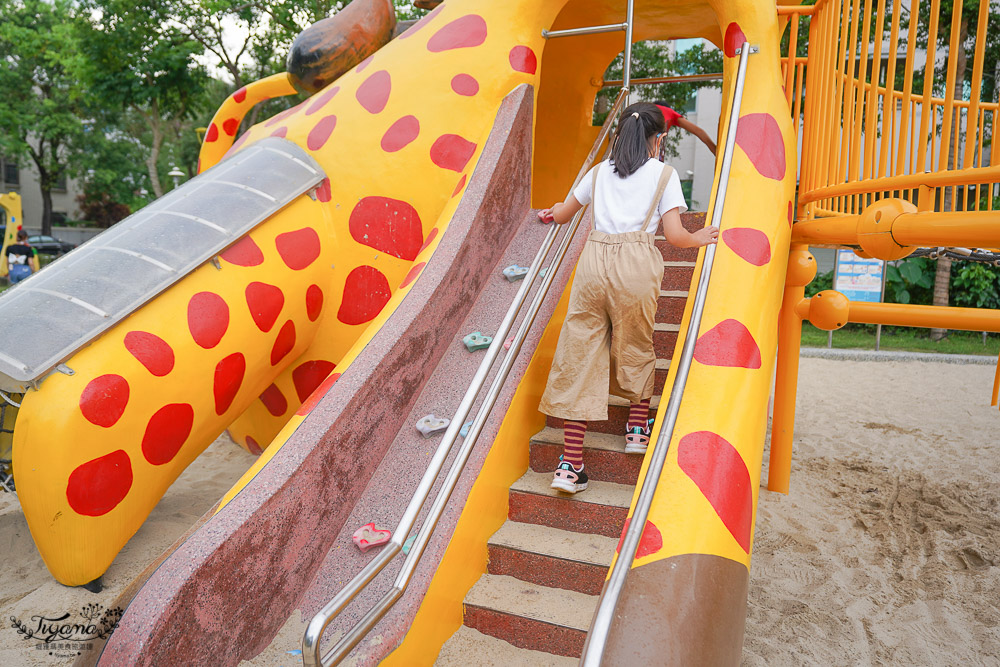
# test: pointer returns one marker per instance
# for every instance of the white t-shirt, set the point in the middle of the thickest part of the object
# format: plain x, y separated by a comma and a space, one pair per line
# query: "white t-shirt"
622, 203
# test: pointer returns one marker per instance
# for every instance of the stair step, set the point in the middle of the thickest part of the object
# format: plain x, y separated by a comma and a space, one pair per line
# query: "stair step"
604, 455
670, 306
471, 647
665, 339
617, 416
601, 509
677, 277
662, 369
672, 253
530, 616
551, 557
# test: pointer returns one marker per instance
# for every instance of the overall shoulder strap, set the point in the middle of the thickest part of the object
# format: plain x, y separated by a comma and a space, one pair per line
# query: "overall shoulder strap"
593, 196
661, 187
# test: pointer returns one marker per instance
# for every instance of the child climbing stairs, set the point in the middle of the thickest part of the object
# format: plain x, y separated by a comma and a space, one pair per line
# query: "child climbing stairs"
548, 561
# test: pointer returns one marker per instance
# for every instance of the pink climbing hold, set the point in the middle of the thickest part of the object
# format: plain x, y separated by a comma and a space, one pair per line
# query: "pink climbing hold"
733, 40
759, 135
750, 244
730, 344
720, 473
368, 536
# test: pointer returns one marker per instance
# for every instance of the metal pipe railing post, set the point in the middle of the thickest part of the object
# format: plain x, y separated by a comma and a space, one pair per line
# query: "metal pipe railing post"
593, 650
627, 64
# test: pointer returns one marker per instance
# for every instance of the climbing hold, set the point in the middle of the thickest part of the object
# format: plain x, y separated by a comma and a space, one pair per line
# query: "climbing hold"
368, 536
408, 543
430, 425
514, 272
465, 429
507, 343
477, 341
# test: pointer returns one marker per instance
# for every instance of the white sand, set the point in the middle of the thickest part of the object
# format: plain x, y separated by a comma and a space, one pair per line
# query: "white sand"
27, 588
887, 550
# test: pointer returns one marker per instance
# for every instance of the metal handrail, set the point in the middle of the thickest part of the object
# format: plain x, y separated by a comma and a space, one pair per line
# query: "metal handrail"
593, 650
314, 631
685, 78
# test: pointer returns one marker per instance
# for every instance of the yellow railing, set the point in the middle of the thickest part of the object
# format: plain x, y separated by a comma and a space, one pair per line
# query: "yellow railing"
869, 131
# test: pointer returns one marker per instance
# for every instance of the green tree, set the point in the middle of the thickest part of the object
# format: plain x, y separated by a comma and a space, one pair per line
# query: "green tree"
43, 113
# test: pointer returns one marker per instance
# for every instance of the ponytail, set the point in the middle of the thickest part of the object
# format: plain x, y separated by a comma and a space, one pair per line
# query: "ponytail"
638, 123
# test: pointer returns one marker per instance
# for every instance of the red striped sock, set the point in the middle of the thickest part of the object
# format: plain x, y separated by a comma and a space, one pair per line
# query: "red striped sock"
573, 432
638, 414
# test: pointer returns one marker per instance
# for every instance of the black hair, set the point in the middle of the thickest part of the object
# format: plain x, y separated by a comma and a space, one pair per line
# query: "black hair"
22, 235
638, 123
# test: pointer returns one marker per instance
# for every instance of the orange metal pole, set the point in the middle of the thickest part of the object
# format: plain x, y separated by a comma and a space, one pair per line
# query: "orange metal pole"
801, 271
871, 131
905, 128
977, 83
928, 228
927, 112
793, 45
906, 181
857, 150
908, 315
949, 92
889, 98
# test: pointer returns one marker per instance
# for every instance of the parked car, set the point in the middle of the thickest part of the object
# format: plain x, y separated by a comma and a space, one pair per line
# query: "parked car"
49, 245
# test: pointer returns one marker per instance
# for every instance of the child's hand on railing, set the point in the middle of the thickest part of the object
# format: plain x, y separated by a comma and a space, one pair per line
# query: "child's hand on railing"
706, 236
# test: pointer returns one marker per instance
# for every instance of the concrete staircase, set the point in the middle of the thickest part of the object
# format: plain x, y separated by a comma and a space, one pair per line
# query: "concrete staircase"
548, 562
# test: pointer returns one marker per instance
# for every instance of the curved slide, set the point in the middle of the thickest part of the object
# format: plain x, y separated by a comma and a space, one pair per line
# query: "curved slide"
329, 311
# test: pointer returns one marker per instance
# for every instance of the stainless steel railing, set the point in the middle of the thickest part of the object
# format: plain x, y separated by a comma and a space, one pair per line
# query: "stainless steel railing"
311, 651
593, 650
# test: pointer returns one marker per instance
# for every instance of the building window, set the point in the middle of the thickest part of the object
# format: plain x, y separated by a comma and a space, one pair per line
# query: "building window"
60, 185
11, 174
59, 217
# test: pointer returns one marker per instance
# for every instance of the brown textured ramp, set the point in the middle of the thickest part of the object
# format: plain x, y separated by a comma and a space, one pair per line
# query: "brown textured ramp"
687, 610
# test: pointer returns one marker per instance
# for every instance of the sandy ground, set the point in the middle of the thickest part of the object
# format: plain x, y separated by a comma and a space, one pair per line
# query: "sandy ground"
27, 589
887, 549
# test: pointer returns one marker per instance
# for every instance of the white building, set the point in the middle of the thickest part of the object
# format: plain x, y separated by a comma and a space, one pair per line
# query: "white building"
23, 179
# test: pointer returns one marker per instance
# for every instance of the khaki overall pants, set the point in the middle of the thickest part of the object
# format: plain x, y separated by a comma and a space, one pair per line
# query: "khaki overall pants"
606, 342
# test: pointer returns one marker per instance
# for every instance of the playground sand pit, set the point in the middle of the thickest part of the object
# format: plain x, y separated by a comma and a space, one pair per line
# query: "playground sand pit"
887, 550
27, 589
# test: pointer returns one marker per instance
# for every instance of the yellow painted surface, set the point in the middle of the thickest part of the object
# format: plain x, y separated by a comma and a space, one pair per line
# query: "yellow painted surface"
465, 559
11, 204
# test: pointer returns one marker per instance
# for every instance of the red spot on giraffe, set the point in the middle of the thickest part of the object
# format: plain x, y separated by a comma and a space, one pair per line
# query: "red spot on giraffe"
791, 214
317, 395
96, 487
265, 303
760, 138
400, 133
284, 343
650, 542
462, 33
208, 319
152, 352
320, 100
104, 399
721, 474
451, 151
750, 244
422, 23
228, 378
212, 134
431, 235
240, 95
230, 125
412, 274
366, 291
281, 132
298, 249
314, 302
458, 188
733, 40
321, 132
728, 343
309, 375
364, 63
373, 93
323, 190
522, 59
166, 432
274, 401
243, 253
389, 225
464, 84
253, 447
